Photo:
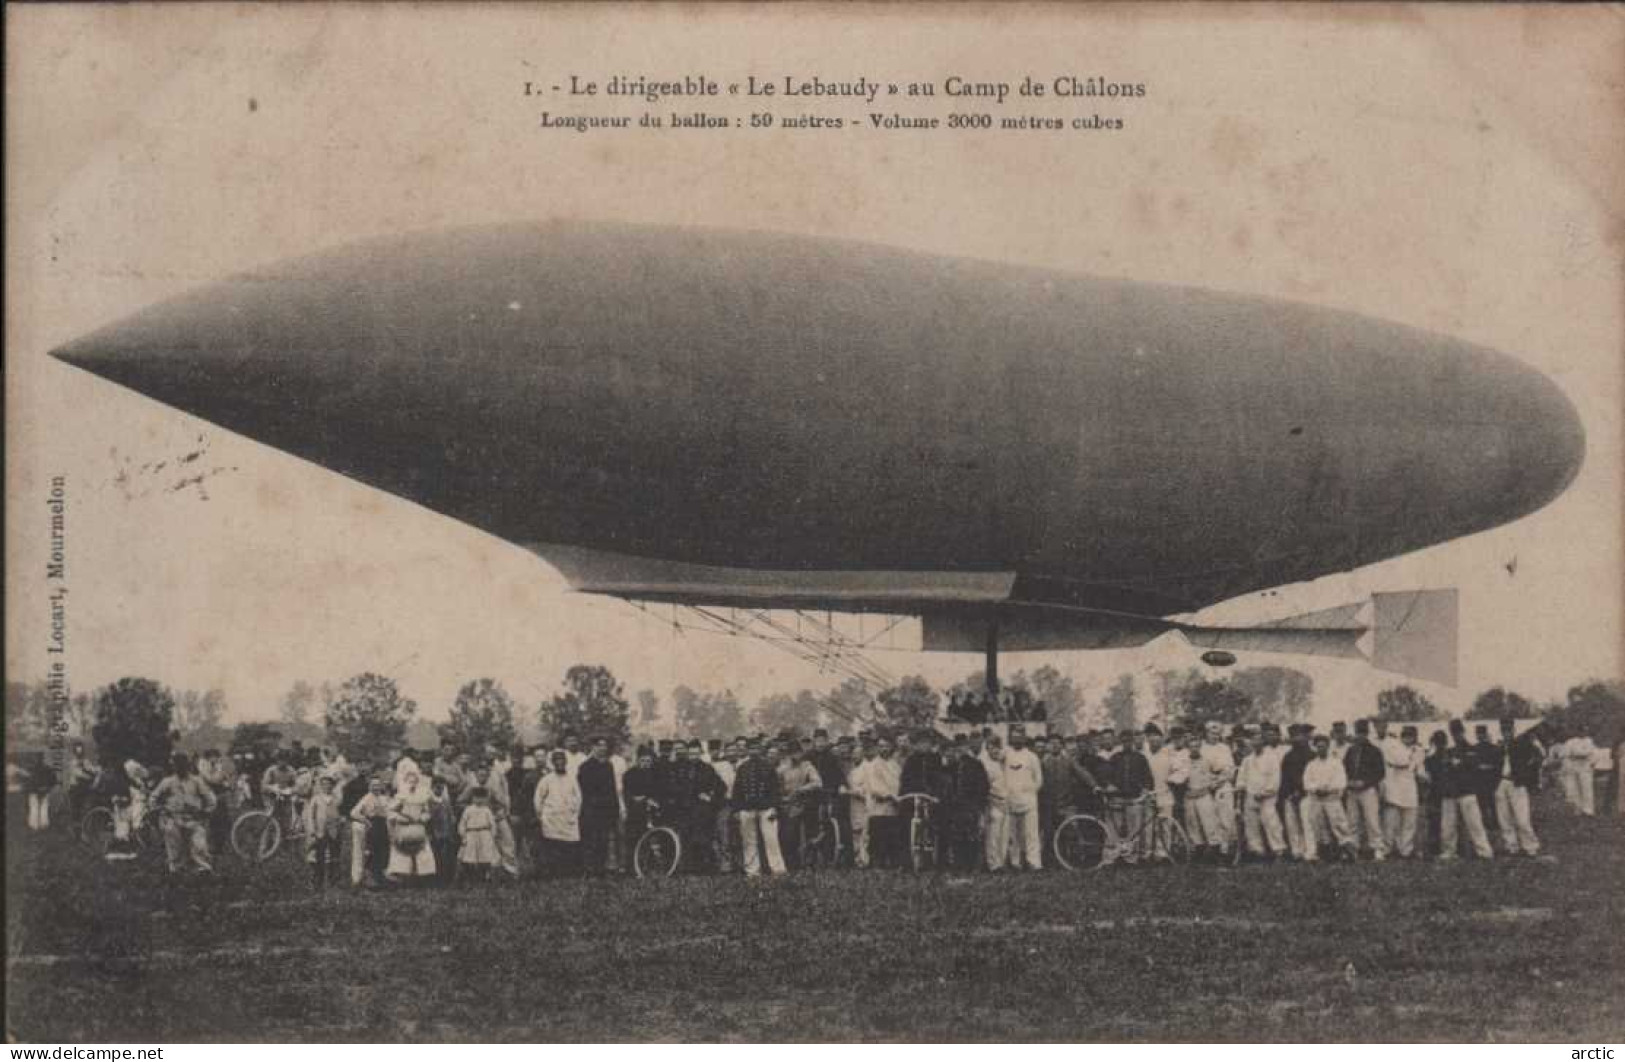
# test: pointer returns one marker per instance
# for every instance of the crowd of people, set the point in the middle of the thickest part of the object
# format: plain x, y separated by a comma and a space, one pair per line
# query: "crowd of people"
756, 804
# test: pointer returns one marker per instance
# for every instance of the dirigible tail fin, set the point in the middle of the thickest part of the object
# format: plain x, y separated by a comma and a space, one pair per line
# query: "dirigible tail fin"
1411, 633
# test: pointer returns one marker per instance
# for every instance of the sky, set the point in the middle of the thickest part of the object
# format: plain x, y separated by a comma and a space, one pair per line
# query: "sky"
1443, 168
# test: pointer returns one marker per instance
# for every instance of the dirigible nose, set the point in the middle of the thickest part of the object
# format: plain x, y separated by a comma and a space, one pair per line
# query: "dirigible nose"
1547, 442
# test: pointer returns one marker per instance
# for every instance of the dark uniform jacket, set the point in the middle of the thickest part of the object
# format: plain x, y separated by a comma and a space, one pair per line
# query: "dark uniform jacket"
756, 785
1526, 756
597, 781
1131, 774
923, 773
967, 785
1363, 763
1293, 762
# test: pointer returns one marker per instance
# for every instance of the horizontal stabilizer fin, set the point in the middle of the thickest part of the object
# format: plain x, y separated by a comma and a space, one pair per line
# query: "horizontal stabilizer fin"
1414, 634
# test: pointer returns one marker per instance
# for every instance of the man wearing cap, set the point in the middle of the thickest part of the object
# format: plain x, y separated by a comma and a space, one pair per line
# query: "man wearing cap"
1486, 768
1452, 774
1261, 781
1130, 777
1161, 756
1324, 781
1201, 816
600, 807
1363, 764
880, 787
1402, 763
1063, 778
996, 822
1520, 762
963, 806
857, 803
756, 800
1292, 806
724, 762
1023, 776
1221, 766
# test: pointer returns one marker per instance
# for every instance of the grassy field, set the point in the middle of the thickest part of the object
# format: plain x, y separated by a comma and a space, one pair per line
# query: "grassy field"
1396, 952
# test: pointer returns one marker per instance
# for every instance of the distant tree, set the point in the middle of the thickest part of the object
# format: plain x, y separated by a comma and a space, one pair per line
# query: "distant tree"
134, 719
1170, 687
260, 739
911, 704
481, 716
197, 712
27, 713
1599, 707
1403, 704
296, 704
1121, 708
592, 703
1499, 703
1062, 700
368, 718
648, 709
801, 713
707, 715
1278, 694
847, 707
1216, 701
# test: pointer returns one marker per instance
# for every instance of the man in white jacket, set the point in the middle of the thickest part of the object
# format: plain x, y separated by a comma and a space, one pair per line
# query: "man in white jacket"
1221, 766
1261, 781
1579, 783
1402, 756
1023, 778
1324, 782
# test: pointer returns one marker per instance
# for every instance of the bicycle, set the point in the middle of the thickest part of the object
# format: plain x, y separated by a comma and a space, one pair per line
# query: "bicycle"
922, 829
257, 835
659, 852
824, 840
97, 827
1084, 842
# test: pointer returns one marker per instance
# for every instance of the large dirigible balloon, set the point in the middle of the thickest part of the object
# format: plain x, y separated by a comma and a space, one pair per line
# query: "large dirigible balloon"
774, 421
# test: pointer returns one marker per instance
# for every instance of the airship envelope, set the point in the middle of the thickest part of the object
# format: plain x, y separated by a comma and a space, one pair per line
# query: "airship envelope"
743, 418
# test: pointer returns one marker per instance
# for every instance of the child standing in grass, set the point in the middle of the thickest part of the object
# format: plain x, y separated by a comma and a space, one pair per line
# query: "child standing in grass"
324, 823
477, 831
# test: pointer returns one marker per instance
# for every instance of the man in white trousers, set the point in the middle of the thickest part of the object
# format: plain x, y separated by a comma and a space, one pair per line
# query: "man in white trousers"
1324, 783
1451, 773
1521, 759
755, 800
995, 826
1364, 766
1402, 762
1221, 766
1023, 777
1261, 781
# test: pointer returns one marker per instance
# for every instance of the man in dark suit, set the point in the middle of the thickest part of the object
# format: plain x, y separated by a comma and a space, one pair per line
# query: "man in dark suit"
964, 800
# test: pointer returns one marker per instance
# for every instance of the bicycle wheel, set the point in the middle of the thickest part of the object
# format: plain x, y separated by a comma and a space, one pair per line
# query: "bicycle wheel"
922, 834
148, 837
256, 835
96, 830
1083, 842
1172, 843
658, 853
